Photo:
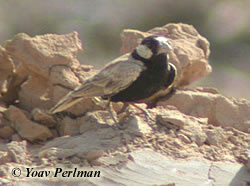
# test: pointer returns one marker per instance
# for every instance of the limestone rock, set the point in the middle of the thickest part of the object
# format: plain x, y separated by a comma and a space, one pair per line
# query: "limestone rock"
215, 136
195, 134
14, 84
184, 138
100, 140
39, 53
112, 160
95, 120
48, 69
16, 137
6, 69
170, 114
172, 117
3, 108
69, 127
64, 76
4, 157
45, 60
25, 128
248, 164
54, 152
190, 50
34, 92
3, 121
93, 155
220, 110
136, 126
190, 127
130, 39
40, 116
6, 132
18, 151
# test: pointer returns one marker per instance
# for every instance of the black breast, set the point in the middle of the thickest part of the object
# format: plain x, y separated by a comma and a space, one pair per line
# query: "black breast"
149, 82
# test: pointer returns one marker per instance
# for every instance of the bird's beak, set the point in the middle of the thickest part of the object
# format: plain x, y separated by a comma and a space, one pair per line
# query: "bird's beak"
165, 46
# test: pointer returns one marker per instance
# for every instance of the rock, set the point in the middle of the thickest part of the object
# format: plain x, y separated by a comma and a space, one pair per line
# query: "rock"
69, 127
3, 108
35, 91
42, 117
232, 113
93, 155
3, 173
18, 151
16, 137
220, 110
112, 160
14, 84
191, 127
190, 50
184, 138
95, 120
99, 140
172, 118
63, 75
215, 136
4, 181
207, 89
76, 160
6, 132
54, 153
6, 69
4, 157
47, 50
25, 128
195, 132
47, 60
3, 121
136, 126
248, 164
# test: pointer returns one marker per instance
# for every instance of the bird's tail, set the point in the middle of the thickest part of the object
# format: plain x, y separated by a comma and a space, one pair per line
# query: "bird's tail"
66, 102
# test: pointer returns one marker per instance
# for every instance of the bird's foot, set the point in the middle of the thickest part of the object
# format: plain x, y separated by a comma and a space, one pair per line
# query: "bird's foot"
119, 126
149, 117
145, 112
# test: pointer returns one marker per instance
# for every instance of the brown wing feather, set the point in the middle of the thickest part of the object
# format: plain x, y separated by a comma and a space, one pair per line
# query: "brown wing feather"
114, 77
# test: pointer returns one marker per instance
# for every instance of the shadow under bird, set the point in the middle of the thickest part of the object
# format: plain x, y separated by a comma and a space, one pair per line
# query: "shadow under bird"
131, 78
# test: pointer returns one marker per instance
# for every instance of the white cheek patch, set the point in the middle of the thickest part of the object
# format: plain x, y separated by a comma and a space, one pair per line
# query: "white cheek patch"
162, 39
144, 51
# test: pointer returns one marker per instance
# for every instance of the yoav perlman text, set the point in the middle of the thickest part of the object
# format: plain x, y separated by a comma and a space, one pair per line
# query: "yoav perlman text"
59, 172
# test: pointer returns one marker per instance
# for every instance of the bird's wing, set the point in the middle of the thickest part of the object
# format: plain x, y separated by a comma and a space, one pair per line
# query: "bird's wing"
114, 77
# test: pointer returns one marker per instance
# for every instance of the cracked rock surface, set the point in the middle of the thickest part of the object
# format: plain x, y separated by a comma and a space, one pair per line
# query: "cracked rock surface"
195, 132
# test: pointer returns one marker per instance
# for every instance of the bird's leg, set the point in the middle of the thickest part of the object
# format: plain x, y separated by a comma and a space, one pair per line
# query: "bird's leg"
124, 107
113, 114
143, 111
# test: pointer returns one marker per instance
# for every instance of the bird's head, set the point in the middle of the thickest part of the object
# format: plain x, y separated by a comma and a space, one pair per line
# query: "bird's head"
152, 46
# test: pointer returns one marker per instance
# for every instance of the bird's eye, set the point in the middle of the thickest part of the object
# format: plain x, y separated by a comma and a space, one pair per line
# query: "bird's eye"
153, 43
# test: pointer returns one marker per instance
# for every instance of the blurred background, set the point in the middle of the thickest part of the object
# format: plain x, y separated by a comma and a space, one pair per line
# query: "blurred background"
225, 23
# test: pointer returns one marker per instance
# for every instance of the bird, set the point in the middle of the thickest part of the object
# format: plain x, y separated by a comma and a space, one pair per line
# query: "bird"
130, 78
